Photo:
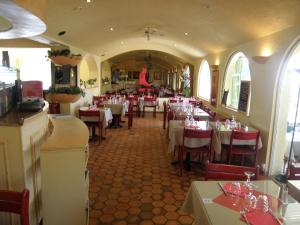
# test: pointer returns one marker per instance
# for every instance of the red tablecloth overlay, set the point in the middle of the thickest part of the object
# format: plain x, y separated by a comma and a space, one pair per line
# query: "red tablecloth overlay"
235, 201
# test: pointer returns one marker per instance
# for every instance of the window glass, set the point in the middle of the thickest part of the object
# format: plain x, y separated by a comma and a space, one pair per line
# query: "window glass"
32, 63
237, 71
204, 81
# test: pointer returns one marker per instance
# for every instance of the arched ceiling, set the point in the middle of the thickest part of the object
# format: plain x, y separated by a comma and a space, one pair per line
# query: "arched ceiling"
185, 28
135, 60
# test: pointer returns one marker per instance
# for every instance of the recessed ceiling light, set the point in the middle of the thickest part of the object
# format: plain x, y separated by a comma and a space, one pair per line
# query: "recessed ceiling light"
61, 33
111, 29
88, 1
122, 42
186, 33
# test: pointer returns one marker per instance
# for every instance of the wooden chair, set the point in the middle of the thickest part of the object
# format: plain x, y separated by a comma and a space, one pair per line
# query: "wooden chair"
16, 202
218, 171
294, 172
196, 134
150, 102
243, 150
94, 122
98, 100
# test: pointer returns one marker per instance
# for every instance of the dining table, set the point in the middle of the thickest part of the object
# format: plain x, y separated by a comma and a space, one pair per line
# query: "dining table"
209, 205
221, 135
294, 189
105, 115
118, 108
176, 128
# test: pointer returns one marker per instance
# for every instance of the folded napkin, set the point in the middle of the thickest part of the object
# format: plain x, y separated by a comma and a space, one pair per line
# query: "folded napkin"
233, 189
258, 217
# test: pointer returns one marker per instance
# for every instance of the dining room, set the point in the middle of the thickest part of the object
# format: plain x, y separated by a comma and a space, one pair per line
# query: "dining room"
150, 112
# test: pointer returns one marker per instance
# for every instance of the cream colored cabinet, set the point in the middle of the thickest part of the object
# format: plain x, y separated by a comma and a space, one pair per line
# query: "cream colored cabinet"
65, 178
21, 135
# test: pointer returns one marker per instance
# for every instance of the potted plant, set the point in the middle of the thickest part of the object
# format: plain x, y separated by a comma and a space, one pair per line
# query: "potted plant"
64, 57
105, 80
65, 94
91, 82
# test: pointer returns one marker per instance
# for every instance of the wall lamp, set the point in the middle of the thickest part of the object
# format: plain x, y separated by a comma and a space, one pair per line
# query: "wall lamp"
260, 59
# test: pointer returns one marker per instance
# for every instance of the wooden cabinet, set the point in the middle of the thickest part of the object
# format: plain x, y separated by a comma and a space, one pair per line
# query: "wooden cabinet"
21, 135
65, 178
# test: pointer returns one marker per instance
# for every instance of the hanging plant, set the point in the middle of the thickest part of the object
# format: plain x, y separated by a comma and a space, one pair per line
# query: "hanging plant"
64, 57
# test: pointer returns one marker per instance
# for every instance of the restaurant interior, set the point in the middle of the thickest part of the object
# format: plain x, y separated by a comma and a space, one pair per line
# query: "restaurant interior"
149, 112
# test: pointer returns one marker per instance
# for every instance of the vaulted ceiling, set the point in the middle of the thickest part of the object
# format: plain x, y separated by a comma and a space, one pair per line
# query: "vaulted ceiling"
185, 28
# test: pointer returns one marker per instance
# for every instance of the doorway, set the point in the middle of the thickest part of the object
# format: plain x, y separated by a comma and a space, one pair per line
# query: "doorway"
286, 135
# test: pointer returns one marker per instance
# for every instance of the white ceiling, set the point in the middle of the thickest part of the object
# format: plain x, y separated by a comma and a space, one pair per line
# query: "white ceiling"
212, 25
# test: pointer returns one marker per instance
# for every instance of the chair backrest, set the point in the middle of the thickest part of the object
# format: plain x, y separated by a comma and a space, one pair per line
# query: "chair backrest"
16, 202
197, 133
294, 172
89, 113
218, 171
241, 135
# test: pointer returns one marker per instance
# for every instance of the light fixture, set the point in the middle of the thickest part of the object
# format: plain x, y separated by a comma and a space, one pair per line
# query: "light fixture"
88, 1
186, 33
111, 29
260, 59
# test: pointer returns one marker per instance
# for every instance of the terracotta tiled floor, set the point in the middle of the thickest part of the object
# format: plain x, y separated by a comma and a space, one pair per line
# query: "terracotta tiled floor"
132, 180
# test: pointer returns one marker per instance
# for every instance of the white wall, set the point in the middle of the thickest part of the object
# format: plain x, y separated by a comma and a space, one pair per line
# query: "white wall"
263, 81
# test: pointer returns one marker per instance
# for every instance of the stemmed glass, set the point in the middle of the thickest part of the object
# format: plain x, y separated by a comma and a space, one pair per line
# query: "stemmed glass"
250, 199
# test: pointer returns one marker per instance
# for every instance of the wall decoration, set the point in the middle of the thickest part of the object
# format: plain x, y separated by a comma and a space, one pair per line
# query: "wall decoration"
214, 84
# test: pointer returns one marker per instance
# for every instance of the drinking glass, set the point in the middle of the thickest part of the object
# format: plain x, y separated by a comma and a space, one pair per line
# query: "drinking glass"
250, 199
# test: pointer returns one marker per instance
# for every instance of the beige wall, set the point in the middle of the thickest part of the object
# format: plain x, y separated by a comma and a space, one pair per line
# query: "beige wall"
264, 81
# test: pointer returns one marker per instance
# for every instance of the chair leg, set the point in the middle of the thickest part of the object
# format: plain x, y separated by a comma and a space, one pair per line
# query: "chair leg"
154, 112
181, 162
143, 111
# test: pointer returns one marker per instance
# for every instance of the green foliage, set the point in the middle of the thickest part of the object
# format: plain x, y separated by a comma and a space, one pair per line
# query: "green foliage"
63, 52
91, 81
67, 90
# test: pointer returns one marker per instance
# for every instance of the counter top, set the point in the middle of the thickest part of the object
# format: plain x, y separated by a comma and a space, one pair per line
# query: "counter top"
68, 132
15, 118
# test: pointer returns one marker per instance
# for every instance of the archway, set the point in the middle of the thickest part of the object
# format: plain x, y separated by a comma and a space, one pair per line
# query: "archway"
88, 70
285, 113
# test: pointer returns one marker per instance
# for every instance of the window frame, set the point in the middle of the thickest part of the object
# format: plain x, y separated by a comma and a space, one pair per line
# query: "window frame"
229, 61
199, 77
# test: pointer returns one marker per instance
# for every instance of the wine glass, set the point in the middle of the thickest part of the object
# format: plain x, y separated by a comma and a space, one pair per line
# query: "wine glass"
250, 199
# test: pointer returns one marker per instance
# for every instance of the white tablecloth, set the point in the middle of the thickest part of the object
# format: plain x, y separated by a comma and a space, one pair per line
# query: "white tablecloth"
105, 116
176, 128
199, 202
222, 136
118, 108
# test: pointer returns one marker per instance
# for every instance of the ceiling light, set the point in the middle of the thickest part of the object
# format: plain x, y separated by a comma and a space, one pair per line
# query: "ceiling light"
186, 33
88, 1
111, 29
122, 42
61, 33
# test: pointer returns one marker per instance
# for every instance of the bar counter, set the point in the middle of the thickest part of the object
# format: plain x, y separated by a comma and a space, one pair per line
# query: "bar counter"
16, 118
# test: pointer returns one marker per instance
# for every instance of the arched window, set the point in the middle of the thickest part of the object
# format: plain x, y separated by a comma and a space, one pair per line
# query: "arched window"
204, 81
237, 72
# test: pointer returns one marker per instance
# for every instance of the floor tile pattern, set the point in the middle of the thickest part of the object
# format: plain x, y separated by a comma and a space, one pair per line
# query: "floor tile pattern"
132, 180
